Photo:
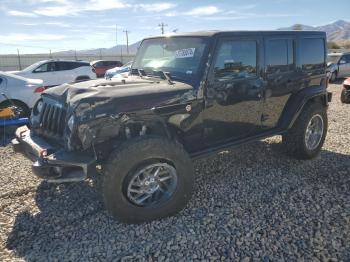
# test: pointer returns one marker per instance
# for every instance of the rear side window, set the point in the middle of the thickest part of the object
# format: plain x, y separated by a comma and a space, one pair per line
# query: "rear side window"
236, 59
279, 55
312, 53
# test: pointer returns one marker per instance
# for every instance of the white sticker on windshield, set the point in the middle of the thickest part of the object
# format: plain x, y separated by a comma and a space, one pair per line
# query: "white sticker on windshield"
184, 53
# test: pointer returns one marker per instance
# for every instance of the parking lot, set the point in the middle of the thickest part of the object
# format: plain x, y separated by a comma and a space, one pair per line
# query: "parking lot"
252, 203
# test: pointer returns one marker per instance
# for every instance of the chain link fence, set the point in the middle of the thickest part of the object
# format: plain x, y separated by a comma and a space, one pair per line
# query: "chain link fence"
18, 62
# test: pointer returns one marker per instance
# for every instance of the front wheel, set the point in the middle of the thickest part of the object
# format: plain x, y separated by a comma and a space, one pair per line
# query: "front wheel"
147, 178
305, 139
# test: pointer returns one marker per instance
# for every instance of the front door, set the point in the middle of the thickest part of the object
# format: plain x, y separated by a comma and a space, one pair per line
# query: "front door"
234, 91
47, 73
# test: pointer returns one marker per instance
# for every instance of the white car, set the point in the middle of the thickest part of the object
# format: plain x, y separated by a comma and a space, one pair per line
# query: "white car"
22, 92
338, 65
57, 72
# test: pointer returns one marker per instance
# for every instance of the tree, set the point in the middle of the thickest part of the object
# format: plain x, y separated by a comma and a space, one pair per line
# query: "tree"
297, 27
333, 45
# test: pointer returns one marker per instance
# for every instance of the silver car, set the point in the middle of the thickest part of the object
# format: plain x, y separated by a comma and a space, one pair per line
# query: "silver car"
19, 91
338, 65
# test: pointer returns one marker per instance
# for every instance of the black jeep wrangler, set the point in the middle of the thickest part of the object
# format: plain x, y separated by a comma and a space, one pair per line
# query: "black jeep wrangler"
187, 96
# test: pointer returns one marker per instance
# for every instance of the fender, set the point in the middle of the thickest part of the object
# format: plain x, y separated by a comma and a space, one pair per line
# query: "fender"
297, 102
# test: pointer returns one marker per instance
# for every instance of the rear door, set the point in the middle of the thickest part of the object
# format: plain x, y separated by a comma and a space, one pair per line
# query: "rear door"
65, 71
280, 75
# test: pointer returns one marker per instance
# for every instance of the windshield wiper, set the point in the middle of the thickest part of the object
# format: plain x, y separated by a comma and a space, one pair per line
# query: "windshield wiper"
156, 74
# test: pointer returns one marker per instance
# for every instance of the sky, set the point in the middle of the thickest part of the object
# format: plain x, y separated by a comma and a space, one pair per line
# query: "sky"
37, 26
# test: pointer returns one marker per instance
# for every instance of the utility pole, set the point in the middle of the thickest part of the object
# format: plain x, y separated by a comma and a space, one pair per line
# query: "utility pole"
116, 38
19, 60
127, 40
162, 25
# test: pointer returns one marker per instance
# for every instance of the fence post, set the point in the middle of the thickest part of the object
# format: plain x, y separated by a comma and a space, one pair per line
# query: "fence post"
19, 60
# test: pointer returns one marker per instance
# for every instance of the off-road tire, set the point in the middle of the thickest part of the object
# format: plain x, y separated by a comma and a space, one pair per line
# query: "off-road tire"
130, 157
294, 139
23, 108
344, 97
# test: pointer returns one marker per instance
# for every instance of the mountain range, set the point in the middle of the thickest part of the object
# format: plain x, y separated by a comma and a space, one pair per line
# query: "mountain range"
336, 31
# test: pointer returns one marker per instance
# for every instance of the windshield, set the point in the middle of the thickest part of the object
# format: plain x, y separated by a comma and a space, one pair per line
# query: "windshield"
33, 66
180, 56
333, 58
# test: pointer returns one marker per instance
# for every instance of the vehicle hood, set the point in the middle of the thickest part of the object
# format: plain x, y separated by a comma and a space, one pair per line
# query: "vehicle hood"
120, 95
330, 64
13, 72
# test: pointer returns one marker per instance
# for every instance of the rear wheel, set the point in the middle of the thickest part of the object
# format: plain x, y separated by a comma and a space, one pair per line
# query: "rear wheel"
305, 139
147, 178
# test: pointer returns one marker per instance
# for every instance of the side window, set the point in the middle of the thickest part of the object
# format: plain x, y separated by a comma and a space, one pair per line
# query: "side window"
1, 81
61, 66
279, 55
346, 58
236, 59
47, 67
312, 53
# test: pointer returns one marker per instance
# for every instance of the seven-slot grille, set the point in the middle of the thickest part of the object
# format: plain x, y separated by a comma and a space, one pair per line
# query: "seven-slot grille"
52, 118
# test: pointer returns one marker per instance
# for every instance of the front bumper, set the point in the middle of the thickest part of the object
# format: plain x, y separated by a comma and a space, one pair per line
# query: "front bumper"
51, 163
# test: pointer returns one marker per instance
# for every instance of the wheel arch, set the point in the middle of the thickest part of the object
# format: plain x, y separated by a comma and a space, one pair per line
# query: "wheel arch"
82, 78
15, 101
297, 102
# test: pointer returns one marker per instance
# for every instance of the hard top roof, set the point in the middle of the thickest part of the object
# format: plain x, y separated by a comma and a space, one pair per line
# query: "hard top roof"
228, 33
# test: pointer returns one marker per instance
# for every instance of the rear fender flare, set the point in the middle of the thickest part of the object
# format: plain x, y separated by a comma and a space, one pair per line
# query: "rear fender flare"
298, 101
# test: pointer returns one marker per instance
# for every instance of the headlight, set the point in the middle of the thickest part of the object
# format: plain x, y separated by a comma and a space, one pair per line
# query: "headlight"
71, 123
38, 107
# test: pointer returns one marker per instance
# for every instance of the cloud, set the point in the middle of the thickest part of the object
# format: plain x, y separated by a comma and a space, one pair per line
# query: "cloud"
156, 7
204, 10
67, 8
17, 38
21, 14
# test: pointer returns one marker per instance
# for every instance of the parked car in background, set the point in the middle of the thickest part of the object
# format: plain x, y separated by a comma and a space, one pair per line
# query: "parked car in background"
101, 66
19, 91
118, 70
338, 65
57, 72
345, 94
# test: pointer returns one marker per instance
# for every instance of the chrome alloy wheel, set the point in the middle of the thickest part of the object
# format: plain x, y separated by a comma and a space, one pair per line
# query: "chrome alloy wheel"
314, 132
152, 184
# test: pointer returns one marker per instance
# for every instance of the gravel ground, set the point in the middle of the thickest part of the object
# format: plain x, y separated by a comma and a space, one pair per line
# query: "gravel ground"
251, 204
